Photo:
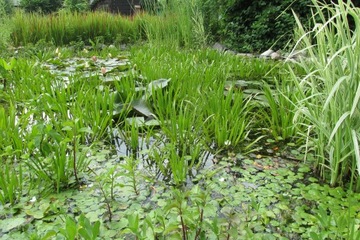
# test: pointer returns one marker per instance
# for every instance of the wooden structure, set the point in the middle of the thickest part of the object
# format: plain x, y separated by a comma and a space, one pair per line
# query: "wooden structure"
124, 7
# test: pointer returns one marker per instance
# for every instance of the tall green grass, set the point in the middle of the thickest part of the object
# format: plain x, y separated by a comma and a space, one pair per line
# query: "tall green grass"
331, 91
281, 102
66, 27
179, 23
6, 29
11, 150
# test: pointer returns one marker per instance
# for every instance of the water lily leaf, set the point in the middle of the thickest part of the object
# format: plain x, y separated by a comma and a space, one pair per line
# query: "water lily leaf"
136, 121
158, 84
152, 123
237, 84
37, 214
118, 109
110, 234
141, 107
250, 185
123, 67
270, 214
110, 80
11, 223
92, 216
49, 235
253, 91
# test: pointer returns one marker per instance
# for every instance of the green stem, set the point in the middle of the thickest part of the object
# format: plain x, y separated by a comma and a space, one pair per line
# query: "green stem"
74, 155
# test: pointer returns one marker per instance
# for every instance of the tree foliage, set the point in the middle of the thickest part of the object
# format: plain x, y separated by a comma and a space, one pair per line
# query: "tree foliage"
5, 7
44, 6
246, 25
76, 5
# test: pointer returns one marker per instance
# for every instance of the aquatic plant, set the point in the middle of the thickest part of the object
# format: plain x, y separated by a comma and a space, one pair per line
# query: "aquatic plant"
330, 91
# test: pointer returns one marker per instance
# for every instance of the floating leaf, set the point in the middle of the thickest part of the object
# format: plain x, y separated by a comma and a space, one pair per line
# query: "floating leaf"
141, 107
37, 214
11, 223
157, 84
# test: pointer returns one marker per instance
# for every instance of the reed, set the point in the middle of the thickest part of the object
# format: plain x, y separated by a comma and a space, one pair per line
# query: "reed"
331, 92
65, 27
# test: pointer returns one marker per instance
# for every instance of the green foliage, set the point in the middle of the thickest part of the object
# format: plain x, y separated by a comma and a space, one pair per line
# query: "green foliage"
215, 13
179, 24
229, 118
76, 5
67, 27
6, 8
282, 105
82, 228
60, 104
42, 6
11, 180
330, 91
5, 22
253, 26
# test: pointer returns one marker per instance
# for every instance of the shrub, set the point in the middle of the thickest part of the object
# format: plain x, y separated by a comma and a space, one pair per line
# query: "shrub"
214, 12
5, 8
44, 6
259, 25
5, 22
76, 5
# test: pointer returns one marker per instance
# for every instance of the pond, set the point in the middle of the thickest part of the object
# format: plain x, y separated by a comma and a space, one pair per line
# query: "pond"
116, 145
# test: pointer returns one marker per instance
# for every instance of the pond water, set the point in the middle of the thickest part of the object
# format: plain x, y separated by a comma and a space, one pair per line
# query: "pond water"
267, 193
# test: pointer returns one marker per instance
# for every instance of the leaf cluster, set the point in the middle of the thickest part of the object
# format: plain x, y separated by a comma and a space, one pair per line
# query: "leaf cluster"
43, 6
253, 26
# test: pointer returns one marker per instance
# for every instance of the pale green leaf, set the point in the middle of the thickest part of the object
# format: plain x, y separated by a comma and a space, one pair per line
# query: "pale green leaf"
356, 149
337, 126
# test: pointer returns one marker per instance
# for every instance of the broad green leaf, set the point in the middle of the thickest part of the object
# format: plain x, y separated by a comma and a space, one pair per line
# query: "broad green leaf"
141, 106
11, 223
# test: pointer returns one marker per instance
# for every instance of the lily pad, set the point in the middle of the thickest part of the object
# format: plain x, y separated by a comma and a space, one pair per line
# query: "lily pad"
157, 84
11, 223
141, 107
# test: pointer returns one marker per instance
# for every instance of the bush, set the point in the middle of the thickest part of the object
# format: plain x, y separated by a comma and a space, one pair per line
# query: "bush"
254, 26
5, 22
44, 6
5, 8
76, 5
214, 12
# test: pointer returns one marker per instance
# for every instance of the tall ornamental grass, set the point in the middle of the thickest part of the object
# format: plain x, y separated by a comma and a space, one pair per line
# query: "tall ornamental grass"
66, 27
331, 91
179, 23
5, 23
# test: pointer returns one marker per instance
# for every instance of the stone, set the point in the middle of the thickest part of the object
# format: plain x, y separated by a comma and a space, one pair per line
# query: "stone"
296, 55
219, 47
230, 52
275, 56
244, 55
266, 54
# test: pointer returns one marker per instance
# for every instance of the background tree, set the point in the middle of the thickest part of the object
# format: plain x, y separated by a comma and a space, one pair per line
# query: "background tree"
44, 6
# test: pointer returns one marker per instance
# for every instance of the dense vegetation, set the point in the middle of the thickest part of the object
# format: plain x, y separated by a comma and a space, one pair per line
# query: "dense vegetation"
246, 26
116, 127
